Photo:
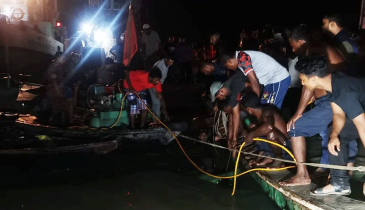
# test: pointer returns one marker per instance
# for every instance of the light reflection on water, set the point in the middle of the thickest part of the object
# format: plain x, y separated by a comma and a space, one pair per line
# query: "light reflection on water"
115, 181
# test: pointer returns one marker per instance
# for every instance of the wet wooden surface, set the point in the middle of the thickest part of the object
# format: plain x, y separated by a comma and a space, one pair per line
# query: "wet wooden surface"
301, 194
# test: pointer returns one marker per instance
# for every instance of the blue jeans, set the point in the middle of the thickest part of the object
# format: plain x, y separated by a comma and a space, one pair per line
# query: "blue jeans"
314, 121
275, 93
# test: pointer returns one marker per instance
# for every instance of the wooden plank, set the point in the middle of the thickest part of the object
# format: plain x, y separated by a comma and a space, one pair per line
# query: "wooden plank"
299, 197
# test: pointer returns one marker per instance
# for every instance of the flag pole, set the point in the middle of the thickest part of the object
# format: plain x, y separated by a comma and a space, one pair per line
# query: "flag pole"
129, 31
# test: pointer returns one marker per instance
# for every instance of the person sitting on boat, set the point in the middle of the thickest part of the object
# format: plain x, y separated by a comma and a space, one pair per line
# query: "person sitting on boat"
347, 98
271, 125
138, 82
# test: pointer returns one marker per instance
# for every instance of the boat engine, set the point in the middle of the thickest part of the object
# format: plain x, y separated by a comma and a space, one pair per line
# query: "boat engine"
107, 106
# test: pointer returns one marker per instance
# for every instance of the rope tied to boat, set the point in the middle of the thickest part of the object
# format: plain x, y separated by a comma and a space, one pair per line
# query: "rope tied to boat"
330, 166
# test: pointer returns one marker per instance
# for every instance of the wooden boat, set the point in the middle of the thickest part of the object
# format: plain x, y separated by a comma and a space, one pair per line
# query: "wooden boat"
294, 198
26, 137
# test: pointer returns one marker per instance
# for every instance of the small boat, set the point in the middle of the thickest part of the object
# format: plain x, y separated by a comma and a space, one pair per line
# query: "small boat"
23, 136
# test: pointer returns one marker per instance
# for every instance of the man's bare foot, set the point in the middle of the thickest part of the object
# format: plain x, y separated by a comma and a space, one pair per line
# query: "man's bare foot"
296, 181
253, 163
264, 162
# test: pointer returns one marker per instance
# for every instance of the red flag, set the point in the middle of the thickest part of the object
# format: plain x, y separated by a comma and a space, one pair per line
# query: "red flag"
130, 39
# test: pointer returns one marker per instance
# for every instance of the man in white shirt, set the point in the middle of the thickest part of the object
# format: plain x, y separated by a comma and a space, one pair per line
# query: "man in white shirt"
260, 68
163, 65
151, 46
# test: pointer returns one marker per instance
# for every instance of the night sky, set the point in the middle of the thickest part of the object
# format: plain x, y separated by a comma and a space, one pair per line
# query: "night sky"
196, 19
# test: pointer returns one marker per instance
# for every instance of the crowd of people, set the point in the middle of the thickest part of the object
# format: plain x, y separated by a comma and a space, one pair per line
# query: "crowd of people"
261, 76
324, 69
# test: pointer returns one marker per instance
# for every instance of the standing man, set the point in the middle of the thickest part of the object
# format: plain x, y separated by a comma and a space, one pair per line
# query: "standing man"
151, 46
343, 43
163, 65
347, 96
117, 50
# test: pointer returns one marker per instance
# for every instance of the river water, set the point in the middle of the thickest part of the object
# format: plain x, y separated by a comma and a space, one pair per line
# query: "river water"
157, 179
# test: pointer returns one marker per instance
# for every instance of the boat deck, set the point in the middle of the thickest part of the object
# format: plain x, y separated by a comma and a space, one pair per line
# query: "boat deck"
299, 197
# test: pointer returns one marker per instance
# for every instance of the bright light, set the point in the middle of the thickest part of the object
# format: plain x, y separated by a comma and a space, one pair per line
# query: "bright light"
101, 35
87, 28
58, 24
7, 9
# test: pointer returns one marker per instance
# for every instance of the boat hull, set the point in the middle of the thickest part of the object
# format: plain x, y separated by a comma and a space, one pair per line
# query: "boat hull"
29, 52
25, 137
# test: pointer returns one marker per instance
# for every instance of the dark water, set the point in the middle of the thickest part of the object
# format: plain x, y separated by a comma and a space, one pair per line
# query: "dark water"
157, 179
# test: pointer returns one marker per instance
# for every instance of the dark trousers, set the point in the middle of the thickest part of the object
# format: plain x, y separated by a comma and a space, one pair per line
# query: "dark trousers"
150, 61
348, 133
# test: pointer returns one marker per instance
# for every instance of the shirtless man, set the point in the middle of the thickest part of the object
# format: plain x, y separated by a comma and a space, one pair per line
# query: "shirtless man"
317, 119
270, 124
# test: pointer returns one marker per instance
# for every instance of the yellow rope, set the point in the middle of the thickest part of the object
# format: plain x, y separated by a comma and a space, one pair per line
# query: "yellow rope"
193, 163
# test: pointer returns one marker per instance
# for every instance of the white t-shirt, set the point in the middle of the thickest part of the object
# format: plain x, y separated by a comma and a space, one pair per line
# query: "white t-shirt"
267, 69
294, 74
151, 41
164, 69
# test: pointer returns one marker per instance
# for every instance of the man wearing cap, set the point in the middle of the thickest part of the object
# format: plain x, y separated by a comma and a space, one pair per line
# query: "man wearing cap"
231, 90
151, 45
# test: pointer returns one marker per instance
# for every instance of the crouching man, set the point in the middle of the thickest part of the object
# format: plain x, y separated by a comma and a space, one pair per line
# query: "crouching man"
271, 125
138, 82
348, 105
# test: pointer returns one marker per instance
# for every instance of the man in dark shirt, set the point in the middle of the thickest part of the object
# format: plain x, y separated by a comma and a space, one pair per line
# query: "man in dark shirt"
231, 90
347, 96
219, 72
343, 43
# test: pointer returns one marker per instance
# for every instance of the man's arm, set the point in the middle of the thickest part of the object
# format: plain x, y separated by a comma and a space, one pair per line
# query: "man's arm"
339, 119
254, 83
143, 45
163, 105
267, 127
127, 78
304, 100
245, 64
359, 122
158, 40
236, 123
